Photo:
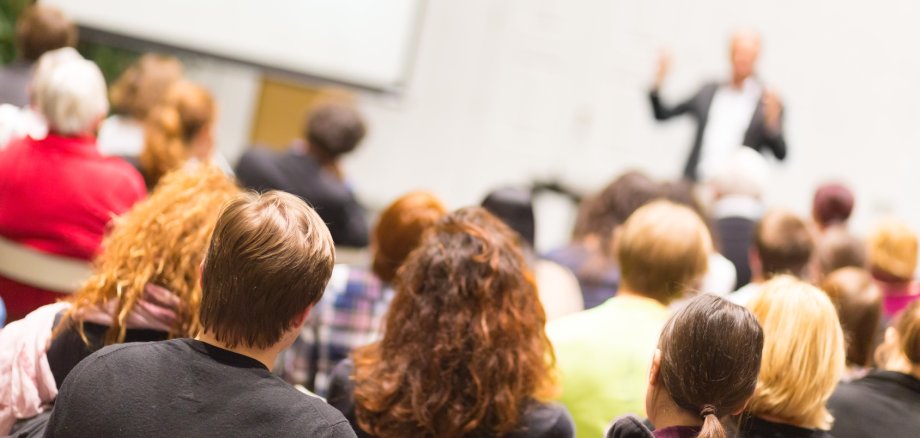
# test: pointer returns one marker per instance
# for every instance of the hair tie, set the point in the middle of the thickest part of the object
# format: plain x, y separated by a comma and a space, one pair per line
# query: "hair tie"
707, 411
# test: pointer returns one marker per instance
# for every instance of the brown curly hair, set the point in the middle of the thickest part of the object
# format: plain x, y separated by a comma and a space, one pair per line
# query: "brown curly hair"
464, 351
162, 240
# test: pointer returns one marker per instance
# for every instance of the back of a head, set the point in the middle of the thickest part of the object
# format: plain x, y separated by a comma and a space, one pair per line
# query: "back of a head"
400, 229
784, 244
662, 250
710, 359
803, 356
832, 204
514, 206
602, 213
334, 129
172, 127
144, 84
907, 327
837, 248
42, 28
744, 173
466, 310
269, 260
161, 241
859, 306
892, 251
73, 98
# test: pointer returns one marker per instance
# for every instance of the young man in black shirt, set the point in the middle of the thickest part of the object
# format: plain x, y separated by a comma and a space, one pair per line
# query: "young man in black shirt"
268, 263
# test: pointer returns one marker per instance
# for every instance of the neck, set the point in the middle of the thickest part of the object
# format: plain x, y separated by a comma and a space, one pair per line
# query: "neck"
668, 414
626, 291
738, 81
265, 356
915, 371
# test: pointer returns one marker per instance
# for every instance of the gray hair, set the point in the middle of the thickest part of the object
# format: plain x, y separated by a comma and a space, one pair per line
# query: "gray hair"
70, 92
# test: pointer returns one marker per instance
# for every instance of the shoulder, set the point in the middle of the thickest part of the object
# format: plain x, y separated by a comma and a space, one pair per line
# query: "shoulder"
547, 420
628, 427
258, 157
121, 174
314, 413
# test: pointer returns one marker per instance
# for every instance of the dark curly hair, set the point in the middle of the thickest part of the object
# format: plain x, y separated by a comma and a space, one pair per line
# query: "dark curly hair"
464, 351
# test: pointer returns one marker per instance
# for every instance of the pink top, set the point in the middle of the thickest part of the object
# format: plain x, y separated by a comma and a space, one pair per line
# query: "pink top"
898, 296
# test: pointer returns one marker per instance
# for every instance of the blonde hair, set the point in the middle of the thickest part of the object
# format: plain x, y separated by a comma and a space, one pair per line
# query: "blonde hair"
144, 84
893, 249
662, 249
171, 128
803, 355
162, 240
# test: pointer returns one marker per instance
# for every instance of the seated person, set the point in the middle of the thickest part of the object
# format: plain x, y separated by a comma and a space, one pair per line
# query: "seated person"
58, 193
803, 359
705, 368
558, 287
886, 402
603, 353
836, 248
588, 255
39, 29
782, 245
859, 306
268, 262
893, 261
139, 88
351, 312
145, 287
311, 170
464, 352
178, 130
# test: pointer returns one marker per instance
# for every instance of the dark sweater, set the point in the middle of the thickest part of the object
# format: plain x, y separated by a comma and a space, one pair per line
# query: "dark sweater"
185, 388
753, 427
631, 427
541, 420
883, 404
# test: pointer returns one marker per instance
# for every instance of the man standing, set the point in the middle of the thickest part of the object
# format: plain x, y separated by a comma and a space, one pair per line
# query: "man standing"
739, 112
268, 262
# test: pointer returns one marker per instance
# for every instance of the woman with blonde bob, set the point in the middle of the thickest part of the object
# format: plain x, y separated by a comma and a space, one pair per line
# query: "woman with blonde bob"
145, 286
803, 359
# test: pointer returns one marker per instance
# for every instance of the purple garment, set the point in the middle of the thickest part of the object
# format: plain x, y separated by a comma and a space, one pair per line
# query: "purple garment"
677, 432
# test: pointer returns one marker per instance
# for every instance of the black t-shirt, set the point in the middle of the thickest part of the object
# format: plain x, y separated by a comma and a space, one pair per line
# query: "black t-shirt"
541, 420
185, 388
299, 174
884, 404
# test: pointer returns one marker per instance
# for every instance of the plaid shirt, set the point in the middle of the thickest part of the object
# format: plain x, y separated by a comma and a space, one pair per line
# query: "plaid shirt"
349, 315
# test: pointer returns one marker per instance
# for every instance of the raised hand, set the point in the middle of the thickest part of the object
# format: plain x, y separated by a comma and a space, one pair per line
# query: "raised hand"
772, 109
664, 66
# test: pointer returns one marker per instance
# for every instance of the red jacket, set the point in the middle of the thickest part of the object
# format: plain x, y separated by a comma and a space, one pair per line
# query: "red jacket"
57, 195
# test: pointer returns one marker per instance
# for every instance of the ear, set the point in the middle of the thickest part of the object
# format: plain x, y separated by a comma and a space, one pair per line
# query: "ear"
656, 366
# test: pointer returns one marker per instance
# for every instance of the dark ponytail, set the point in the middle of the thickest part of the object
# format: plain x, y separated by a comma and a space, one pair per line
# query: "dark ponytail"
710, 359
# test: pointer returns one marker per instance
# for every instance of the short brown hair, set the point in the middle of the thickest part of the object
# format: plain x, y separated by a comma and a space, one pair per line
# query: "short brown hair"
41, 29
603, 212
837, 248
907, 325
893, 250
144, 84
335, 128
859, 306
400, 230
662, 248
269, 260
784, 244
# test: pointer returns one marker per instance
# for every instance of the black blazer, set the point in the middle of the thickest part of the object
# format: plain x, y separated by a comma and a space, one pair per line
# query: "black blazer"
757, 136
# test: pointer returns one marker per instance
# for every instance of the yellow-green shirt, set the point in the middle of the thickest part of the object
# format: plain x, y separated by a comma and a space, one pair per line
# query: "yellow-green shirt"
603, 356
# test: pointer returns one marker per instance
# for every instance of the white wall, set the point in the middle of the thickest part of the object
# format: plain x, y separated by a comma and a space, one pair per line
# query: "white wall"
509, 90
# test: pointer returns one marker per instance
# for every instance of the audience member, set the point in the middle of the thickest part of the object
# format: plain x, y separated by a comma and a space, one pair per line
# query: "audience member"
832, 205
720, 277
782, 245
141, 87
885, 403
145, 287
558, 288
706, 367
351, 312
603, 353
892, 260
588, 256
859, 306
737, 188
312, 170
39, 29
803, 359
464, 352
836, 248
58, 193
178, 130
268, 262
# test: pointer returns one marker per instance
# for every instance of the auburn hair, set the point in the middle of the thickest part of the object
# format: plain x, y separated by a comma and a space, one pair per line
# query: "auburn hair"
172, 126
400, 228
464, 350
161, 240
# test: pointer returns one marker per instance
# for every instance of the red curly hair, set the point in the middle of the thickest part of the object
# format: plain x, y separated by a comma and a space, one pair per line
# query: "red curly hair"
464, 351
